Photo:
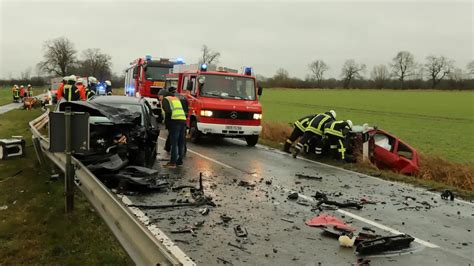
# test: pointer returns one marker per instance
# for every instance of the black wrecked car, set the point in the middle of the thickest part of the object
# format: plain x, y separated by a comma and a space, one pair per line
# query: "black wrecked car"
119, 125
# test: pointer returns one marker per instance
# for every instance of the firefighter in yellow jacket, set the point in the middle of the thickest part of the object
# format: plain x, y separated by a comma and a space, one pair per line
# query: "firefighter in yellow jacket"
336, 133
300, 126
314, 132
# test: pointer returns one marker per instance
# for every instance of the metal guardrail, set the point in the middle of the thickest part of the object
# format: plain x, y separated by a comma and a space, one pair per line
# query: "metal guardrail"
140, 244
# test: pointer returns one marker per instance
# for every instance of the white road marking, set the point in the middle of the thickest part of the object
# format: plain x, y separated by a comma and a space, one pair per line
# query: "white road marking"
362, 219
160, 235
207, 158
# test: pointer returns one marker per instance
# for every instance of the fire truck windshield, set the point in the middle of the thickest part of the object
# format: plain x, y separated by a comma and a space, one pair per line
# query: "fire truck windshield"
232, 87
156, 73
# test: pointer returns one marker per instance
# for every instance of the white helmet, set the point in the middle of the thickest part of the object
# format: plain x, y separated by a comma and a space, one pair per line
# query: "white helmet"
80, 81
92, 79
73, 78
21, 86
108, 83
16, 86
29, 85
349, 122
333, 113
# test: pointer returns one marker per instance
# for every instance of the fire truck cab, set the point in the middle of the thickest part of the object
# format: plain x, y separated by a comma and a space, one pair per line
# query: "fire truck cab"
146, 76
221, 101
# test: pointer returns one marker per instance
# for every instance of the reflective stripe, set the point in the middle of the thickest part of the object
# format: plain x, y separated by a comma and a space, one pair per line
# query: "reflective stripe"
331, 131
342, 150
302, 124
289, 141
177, 112
318, 130
68, 88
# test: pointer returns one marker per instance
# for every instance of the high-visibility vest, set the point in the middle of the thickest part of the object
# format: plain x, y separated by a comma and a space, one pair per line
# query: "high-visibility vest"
317, 124
177, 112
336, 128
303, 122
72, 93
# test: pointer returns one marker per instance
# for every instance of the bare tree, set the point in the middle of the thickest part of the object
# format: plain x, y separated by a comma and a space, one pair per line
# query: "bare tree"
470, 69
380, 74
351, 70
318, 67
281, 74
26, 74
95, 63
437, 68
403, 66
209, 56
59, 56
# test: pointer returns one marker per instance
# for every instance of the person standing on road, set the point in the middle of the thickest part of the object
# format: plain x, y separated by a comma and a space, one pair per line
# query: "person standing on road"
175, 122
184, 103
300, 126
92, 85
108, 87
314, 132
336, 133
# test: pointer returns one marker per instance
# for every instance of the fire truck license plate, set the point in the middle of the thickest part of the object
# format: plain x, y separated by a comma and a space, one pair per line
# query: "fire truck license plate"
233, 128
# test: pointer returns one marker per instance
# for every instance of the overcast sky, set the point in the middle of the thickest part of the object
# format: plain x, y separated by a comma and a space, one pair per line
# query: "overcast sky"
266, 35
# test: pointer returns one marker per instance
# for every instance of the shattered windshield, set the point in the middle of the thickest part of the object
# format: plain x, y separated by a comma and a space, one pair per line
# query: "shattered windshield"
239, 88
156, 73
132, 108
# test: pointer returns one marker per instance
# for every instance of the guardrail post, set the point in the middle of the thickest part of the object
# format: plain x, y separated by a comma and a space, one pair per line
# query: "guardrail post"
69, 173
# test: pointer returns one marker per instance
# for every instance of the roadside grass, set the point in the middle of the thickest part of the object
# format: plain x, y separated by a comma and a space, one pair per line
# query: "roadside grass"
34, 228
435, 173
437, 123
6, 96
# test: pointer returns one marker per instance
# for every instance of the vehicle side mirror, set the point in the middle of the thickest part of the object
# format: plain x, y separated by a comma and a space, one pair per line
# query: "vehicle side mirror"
202, 79
259, 90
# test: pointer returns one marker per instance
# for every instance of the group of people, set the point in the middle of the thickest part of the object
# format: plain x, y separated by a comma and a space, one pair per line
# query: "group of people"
20, 93
320, 133
76, 89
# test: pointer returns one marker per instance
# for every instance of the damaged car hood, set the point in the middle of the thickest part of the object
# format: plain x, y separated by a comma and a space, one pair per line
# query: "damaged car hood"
114, 114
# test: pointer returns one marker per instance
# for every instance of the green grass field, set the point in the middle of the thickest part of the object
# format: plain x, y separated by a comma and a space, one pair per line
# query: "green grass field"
6, 94
33, 226
434, 122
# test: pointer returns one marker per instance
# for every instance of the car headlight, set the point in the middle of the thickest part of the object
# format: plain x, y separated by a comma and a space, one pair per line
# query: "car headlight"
206, 113
257, 116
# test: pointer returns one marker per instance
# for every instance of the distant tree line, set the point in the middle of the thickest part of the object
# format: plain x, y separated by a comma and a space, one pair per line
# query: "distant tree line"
61, 59
403, 72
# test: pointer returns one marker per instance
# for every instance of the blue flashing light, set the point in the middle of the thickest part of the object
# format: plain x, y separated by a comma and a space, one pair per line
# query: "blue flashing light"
248, 71
148, 57
179, 60
203, 67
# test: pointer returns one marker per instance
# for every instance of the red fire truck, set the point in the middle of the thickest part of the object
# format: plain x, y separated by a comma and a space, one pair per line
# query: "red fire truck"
221, 101
146, 76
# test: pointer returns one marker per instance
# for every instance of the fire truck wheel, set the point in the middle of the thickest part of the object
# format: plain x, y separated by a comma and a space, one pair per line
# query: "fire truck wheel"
251, 140
194, 132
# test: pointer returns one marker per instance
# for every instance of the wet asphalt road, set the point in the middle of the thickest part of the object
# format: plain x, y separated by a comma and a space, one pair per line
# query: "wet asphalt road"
444, 232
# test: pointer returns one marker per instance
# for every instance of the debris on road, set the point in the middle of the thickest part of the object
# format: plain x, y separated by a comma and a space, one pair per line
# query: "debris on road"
309, 177
447, 194
388, 243
4, 207
349, 204
325, 220
240, 231
293, 196
362, 262
347, 241
225, 218
239, 247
